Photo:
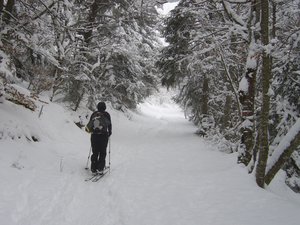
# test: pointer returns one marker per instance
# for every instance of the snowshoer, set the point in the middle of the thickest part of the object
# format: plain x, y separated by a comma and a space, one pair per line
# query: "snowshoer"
100, 128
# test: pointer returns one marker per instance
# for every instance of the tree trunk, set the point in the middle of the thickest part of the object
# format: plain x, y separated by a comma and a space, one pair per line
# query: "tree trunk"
204, 100
247, 102
266, 76
9, 10
247, 96
98, 7
274, 19
289, 145
1, 5
80, 97
227, 110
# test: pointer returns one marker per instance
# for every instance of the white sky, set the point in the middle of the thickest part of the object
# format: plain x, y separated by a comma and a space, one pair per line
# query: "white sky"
167, 7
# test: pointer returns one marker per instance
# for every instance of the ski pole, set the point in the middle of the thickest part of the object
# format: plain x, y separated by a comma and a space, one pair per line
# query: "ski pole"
109, 154
87, 162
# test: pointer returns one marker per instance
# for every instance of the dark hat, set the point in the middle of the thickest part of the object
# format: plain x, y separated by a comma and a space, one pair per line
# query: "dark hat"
101, 106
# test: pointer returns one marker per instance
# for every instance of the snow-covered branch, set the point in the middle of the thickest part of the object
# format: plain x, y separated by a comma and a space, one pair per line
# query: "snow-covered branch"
281, 154
232, 15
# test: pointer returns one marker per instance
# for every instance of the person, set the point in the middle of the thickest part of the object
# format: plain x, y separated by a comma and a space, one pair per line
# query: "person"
99, 139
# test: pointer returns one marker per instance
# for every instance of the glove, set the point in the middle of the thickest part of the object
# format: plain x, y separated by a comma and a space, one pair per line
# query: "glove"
109, 133
87, 130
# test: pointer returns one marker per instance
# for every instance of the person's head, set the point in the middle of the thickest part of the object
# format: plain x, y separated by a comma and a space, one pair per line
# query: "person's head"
101, 106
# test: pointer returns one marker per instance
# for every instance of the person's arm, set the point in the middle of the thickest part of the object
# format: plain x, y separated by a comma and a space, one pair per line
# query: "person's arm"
89, 126
109, 125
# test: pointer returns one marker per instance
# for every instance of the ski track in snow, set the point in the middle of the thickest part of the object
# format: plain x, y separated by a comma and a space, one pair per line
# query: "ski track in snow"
161, 174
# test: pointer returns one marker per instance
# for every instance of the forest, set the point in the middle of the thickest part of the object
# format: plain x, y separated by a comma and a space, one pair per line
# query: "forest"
234, 63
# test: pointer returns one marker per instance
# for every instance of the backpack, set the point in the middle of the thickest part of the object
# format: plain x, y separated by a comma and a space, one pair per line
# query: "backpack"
98, 123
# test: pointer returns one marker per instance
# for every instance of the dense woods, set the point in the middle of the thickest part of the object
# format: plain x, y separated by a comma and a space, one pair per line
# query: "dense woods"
99, 50
235, 63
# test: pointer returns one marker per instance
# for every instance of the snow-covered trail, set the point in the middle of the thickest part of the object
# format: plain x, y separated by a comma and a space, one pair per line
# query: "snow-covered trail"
161, 174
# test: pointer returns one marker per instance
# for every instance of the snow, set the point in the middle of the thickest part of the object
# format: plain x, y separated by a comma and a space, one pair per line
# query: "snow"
284, 144
243, 85
164, 10
167, 7
5, 71
161, 173
232, 13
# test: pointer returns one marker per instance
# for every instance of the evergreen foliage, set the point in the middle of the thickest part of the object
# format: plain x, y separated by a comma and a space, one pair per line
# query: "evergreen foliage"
99, 50
219, 55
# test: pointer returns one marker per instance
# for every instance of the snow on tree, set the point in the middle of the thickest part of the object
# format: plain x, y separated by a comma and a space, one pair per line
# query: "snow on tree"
67, 46
207, 61
252, 71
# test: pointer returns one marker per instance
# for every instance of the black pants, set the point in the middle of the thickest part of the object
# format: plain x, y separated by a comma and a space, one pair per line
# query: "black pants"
99, 145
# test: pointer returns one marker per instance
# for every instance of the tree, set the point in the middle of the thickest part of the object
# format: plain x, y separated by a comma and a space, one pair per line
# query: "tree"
283, 152
202, 61
178, 29
75, 48
26, 42
266, 80
247, 86
230, 46
285, 108
125, 68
